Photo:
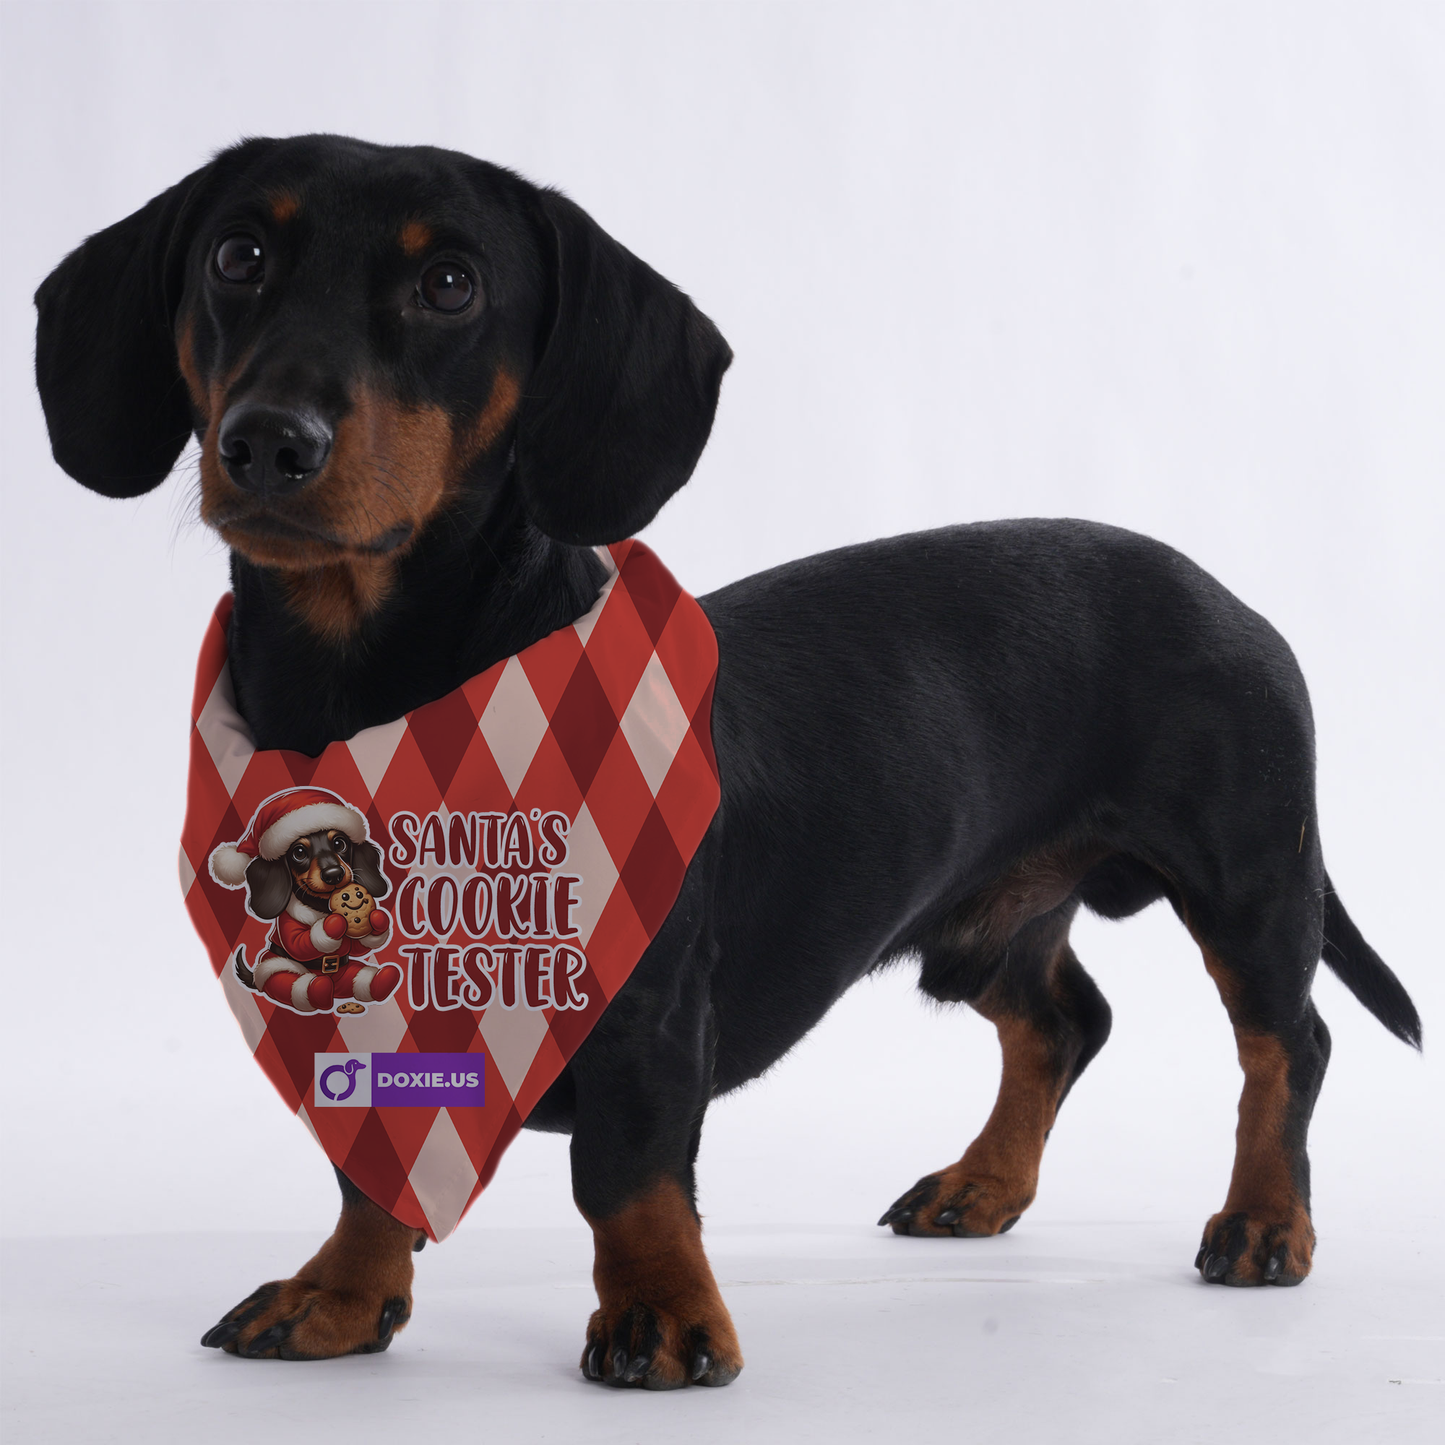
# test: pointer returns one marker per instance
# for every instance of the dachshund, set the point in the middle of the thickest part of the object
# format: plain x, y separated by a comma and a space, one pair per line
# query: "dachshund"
423, 390
321, 891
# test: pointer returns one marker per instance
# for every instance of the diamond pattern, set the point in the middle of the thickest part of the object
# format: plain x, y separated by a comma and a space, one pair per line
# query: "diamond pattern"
443, 1176
372, 750
224, 734
513, 723
654, 724
606, 723
513, 1037
584, 724
588, 858
379, 1030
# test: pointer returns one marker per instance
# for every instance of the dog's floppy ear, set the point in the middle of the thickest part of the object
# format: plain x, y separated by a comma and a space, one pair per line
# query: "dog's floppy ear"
105, 357
268, 886
621, 402
105, 351
366, 868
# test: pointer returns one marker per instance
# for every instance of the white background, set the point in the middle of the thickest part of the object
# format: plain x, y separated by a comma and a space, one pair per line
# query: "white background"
1176, 267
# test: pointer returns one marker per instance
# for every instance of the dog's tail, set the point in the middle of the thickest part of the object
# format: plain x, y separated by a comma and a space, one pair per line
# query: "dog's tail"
1365, 973
249, 979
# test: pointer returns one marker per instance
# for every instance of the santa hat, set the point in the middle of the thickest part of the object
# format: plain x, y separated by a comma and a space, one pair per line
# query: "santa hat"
278, 823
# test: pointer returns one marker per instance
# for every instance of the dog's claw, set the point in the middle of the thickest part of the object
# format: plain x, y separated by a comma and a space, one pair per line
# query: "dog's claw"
701, 1364
1216, 1267
267, 1340
592, 1365
619, 1363
1008, 1224
1273, 1265
392, 1312
1201, 1256
947, 1217
637, 1367
221, 1334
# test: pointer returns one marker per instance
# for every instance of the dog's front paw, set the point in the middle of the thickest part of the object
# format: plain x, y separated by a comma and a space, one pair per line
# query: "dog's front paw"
290, 1319
655, 1349
960, 1203
1241, 1249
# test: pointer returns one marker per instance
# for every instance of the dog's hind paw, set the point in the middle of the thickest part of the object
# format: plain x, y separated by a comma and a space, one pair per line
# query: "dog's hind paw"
1238, 1249
290, 1319
959, 1204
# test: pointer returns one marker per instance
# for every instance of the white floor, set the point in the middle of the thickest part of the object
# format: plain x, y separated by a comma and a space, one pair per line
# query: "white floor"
1084, 1332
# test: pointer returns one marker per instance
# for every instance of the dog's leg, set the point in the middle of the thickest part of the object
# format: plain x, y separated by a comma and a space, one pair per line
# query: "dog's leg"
350, 1299
660, 1321
1051, 1021
642, 1083
1263, 1235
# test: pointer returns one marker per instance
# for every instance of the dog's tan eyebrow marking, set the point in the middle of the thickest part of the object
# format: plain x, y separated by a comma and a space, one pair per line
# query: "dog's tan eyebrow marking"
284, 205
416, 236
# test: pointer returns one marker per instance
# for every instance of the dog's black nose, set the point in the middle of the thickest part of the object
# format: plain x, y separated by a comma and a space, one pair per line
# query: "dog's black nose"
333, 874
271, 450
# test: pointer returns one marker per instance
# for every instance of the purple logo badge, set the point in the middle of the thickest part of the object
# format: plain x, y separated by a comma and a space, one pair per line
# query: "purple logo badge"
399, 1081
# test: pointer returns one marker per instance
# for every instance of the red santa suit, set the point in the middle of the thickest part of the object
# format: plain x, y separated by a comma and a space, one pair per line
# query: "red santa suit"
309, 962
294, 968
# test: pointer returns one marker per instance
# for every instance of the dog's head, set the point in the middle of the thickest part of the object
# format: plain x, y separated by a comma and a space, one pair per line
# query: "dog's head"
312, 869
365, 339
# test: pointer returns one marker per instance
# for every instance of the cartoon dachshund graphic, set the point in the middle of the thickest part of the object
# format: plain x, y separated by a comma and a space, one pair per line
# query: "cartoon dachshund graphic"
306, 863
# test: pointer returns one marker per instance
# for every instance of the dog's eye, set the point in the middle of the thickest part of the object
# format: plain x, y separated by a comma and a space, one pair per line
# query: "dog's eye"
445, 287
339, 843
240, 259
299, 852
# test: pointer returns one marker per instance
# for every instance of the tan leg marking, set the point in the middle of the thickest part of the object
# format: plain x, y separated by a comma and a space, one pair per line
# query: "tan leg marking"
995, 1181
1263, 1212
350, 1298
661, 1321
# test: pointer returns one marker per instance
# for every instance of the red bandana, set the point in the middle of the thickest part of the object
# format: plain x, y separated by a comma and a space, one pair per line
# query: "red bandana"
534, 827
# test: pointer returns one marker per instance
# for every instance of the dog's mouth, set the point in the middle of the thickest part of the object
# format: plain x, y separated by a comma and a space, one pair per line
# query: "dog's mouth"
316, 894
385, 473
270, 539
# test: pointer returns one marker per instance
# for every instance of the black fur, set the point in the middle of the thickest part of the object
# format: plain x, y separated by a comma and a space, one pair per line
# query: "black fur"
366, 868
622, 400
935, 746
105, 348
268, 887
1364, 972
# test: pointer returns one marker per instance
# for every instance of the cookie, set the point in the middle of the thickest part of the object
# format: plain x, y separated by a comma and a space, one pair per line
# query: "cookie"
354, 904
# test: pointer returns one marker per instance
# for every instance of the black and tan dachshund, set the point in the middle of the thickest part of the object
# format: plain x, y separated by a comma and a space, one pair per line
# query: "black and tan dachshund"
423, 389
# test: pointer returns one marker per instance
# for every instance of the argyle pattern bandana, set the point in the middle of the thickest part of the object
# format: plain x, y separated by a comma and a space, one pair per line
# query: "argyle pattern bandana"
533, 826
